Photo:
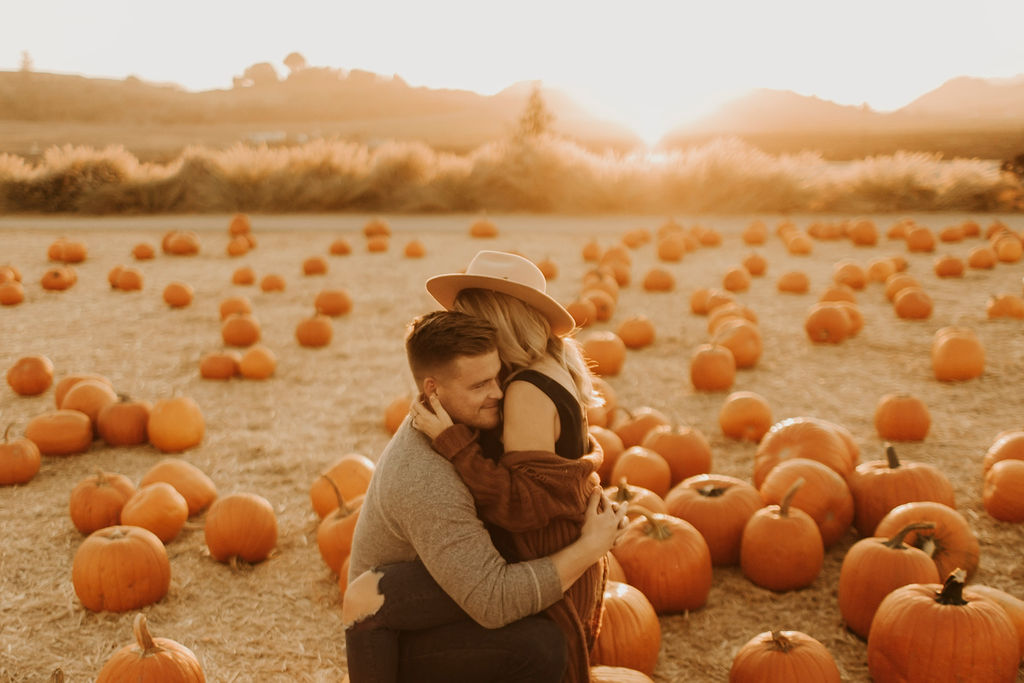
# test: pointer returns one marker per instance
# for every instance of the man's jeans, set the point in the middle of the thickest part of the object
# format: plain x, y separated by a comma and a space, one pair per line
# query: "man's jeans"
421, 634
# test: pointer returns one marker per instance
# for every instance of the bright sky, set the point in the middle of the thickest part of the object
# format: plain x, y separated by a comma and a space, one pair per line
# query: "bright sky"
649, 64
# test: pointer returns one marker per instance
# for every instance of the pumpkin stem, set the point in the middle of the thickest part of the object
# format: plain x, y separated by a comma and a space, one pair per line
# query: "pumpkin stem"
57, 676
890, 455
623, 494
952, 592
655, 528
788, 498
142, 636
780, 642
896, 542
712, 490
6, 432
342, 505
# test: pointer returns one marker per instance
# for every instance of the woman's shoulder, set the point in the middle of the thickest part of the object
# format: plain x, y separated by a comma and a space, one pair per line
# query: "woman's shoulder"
540, 377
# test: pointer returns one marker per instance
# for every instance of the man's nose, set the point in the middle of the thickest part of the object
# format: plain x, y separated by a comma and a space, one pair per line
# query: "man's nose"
496, 392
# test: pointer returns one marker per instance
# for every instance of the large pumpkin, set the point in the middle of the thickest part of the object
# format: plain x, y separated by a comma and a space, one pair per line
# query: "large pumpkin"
783, 657
802, 437
151, 659
781, 548
97, 500
957, 354
967, 638
668, 560
745, 416
685, 449
175, 424
31, 375
241, 525
719, 507
124, 423
632, 426
902, 417
824, 496
643, 467
874, 567
630, 634
351, 475
187, 479
60, 432
1008, 445
157, 507
1003, 493
334, 533
90, 397
951, 543
118, 568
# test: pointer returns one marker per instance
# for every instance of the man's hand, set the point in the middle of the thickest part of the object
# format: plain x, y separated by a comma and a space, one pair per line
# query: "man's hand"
430, 423
604, 521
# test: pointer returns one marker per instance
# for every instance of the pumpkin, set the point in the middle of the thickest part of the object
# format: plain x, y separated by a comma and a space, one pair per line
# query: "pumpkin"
235, 305
548, 268
583, 311
611, 446
314, 265
415, 249
334, 533
879, 269
838, 292
957, 354
800, 243
1003, 493
803, 437
243, 275
636, 332
90, 397
902, 417
1007, 445
1009, 248
123, 423
238, 246
350, 474
394, 414
855, 316
630, 634
948, 265
667, 559
718, 506
241, 525
151, 659
897, 282
685, 449
143, 251
60, 432
97, 500
175, 424
728, 312
863, 233
913, 303
258, 362
643, 467
591, 251
605, 352
118, 568
377, 244
712, 368
742, 338
601, 278
827, 323
58, 279
659, 280
919, 239
950, 544
314, 332
9, 273
333, 302
793, 282
130, 279
11, 293
634, 425
340, 247
19, 459
824, 495
745, 416
849, 274
967, 637
736, 279
272, 283
157, 507
181, 243
1005, 306
880, 485
982, 257
178, 294
30, 375
756, 264
193, 484
483, 228
790, 656
874, 567
219, 365
640, 499
756, 232
671, 248
239, 224
719, 297
604, 303
781, 548
1014, 607
240, 329
952, 233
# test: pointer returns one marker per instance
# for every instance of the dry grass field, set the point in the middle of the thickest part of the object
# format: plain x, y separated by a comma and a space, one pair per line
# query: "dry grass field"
279, 620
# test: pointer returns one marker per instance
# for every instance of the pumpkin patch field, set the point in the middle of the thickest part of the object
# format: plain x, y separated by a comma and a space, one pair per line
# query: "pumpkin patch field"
779, 390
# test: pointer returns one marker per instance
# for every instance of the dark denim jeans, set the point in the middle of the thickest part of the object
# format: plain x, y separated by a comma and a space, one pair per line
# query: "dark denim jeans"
421, 634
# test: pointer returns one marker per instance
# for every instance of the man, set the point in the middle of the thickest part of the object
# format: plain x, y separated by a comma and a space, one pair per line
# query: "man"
418, 508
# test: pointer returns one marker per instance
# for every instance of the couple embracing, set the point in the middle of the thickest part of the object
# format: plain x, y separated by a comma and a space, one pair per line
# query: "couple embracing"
479, 550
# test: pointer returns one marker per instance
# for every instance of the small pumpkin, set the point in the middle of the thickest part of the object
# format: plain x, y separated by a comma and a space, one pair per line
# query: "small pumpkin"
11, 293
639, 498
19, 459
97, 500
378, 244
90, 397
742, 338
756, 232
630, 634
240, 329
1008, 445
605, 352
334, 533
913, 303
151, 659
793, 282
333, 302
314, 265
827, 323
58, 279
340, 247
314, 332
712, 368
220, 365
736, 279
243, 275
130, 279
272, 282
632, 426
1005, 306
192, 483
636, 331
948, 265
849, 273
824, 495
178, 294
684, 448
350, 474
123, 423
483, 228
611, 446
745, 416
118, 568
957, 354
982, 257
175, 424
803, 437
30, 375
143, 251
1003, 493
234, 305
396, 411
902, 417
756, 264
643, 467
414, 249
659, 280
241, 525
60, 432
258, 362
158, 507
781, 548
790, 656
718, 506
951, 543
603, 302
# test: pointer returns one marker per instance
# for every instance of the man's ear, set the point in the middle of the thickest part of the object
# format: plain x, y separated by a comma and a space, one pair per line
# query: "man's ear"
429, 386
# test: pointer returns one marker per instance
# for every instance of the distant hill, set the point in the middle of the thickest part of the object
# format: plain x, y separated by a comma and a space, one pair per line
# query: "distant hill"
965, 117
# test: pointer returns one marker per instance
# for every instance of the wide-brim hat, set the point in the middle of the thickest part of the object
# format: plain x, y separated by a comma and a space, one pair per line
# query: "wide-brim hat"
500, 271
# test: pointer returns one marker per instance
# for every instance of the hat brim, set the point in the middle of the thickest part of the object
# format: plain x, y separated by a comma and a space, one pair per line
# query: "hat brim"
444, 289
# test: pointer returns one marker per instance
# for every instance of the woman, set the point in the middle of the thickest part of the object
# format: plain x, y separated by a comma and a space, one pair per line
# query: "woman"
534, 490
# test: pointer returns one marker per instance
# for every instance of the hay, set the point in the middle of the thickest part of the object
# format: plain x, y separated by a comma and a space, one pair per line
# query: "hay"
279, 620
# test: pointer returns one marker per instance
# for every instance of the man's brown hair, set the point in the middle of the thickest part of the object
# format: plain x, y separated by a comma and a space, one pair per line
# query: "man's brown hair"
437, 338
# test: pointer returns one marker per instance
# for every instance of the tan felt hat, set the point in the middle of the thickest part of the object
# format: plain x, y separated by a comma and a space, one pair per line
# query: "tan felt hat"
500, 271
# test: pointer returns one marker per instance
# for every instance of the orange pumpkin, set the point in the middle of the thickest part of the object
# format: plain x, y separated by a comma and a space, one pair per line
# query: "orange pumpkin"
376, 227
1003, 493
219, 365
340, 247
633, 427
272, 283
718, 506
790, 656
745, 416
982, 257
68, 381
736, 279
583, 311
659, 280
234, 305
241, 525
902, 417
849, 273
712, 368
957, 354
824, 495
157, 507
1008, 445
333, 302
240, 329
605, 352
636, 331
118, 568
175, 424
611, 446
143, 251
60, 432
90, 397
244, 275
685, 449
351, 475
756, 232
97, 500
948, 265
30, 375
314, 332
827, 323
630, 634
150, 658
19, 459
258, 362
640, 499
396, 411
802, 437
334, 533
793, 282
863, 232
742, 338
951, 543
483, 228
1014, 607
645, 468
1005, 306
781, 548
756, 264
913, 303
178, 294
123, 423
12, 293
193, 484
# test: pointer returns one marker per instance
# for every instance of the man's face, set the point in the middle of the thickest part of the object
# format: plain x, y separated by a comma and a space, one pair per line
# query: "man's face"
468, 389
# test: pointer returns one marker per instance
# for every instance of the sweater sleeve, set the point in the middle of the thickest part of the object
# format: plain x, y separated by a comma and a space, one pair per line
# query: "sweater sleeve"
522, 492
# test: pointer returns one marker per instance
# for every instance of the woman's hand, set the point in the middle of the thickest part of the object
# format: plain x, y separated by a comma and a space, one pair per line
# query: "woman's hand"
604, 521
431, 421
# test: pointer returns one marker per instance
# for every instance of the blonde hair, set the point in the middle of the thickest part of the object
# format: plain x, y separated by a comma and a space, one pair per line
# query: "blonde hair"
524, 337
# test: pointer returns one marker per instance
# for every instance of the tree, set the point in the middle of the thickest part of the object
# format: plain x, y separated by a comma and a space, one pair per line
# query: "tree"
295, 62
262, 73
536, 119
